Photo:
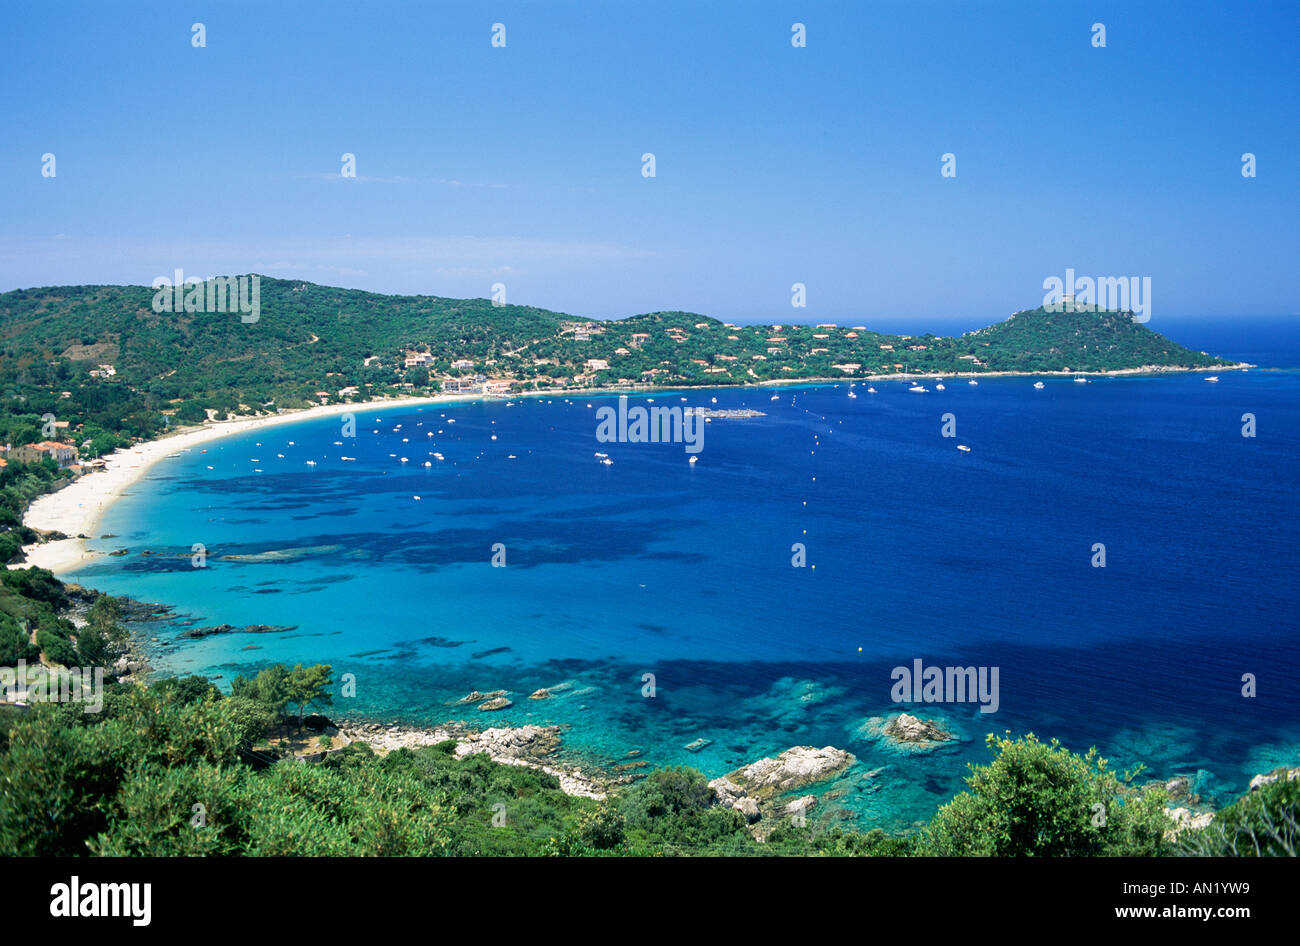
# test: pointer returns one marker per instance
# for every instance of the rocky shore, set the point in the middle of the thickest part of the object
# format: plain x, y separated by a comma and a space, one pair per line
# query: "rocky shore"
525, 745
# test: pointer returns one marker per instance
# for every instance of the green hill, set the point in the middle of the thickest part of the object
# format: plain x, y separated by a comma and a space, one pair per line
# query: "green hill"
311, 342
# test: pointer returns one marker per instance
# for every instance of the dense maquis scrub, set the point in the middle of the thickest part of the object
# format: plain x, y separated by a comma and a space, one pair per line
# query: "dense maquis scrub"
179, 768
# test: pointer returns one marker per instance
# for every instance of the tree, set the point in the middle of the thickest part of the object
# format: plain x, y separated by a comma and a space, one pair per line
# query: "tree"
308, 685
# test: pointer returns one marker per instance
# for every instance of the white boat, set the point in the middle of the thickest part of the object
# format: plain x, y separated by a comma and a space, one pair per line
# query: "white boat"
311, 462
607, 461
871, 390
428, 463
349, 459
973, 382
1213, 379
173, 456
439, 456
775, 397
1039, 385
1080, 380
599, 456
694, 460
963, 448
918, 389
939, 387
851, 394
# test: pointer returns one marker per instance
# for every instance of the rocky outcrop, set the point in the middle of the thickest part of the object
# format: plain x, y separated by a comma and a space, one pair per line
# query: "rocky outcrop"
496, 703
1260, 780
1183, 819
474, 696
792, 769
542, 694
907, 732
753, 789
524, 745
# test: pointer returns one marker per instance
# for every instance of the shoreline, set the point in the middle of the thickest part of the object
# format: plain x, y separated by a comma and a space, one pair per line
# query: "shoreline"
77, 509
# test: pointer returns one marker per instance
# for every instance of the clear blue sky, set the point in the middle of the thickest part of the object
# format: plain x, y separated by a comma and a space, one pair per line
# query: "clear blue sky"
775, 165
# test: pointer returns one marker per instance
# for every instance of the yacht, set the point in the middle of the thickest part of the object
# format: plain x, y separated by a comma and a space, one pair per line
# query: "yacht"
871, 390
918, 389
1080, 380
694, 460
939, 387
1039, 385
1213, 379
963, 448
973, 382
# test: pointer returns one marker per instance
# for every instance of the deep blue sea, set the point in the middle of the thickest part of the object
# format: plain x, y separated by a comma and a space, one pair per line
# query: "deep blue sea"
652, 565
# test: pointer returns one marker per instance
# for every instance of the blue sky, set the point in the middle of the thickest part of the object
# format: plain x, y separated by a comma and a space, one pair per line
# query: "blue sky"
775, 165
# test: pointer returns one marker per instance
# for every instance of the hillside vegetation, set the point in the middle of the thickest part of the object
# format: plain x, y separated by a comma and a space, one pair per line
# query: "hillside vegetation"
311, 342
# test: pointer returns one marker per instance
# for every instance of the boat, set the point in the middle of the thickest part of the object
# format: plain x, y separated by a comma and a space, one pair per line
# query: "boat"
851, 394
973, 383
963, 448
1080, 380
172, 456
311, 462
918, 389
1039, 385
939, 387
607, 461
439, 456
775, 397
871, 390
428, 463
599, 456
1213, 379
349, 459
693, 460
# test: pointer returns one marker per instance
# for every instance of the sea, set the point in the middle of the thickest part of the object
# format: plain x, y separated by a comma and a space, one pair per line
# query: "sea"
713, 613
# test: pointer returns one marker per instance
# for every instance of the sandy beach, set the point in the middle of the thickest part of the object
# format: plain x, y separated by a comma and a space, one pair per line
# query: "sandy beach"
77, 508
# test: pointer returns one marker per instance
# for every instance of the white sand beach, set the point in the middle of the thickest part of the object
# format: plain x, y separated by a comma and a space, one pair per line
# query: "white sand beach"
77, 508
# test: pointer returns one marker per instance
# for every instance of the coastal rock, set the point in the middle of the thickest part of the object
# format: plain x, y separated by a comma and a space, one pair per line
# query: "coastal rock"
1261, 780
794, 768
494, 704
474, 696
748, 807
697, 745
542, 694
1178, 787
907, 732
800, 807
728, 792
907, 728
1185, 820
523, 742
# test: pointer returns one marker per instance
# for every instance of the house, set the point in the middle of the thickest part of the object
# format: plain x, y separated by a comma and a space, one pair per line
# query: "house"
498, 387
596, 364
462, 364
418, 359
462, 386
64, 454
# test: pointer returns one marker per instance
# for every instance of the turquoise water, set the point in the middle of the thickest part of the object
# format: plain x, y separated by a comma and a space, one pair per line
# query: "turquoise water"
652, 565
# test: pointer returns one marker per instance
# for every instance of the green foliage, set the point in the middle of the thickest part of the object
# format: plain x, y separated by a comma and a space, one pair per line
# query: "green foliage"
1039, 799
1262, 823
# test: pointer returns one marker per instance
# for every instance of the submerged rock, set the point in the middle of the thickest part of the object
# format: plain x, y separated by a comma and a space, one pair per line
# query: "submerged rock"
542, 694
496, 703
